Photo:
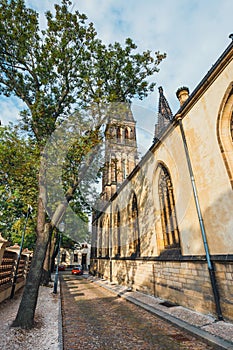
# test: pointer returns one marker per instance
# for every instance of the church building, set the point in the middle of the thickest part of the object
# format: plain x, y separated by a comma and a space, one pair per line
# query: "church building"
166, 226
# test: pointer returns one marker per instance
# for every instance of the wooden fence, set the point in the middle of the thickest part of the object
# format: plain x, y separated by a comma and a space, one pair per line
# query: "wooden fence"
8, 269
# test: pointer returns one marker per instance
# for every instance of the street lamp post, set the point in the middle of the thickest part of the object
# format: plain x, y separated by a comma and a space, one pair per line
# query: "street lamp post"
19, 255
61, 229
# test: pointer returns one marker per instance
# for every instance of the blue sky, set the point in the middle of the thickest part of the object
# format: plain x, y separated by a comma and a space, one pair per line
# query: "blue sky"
193, 33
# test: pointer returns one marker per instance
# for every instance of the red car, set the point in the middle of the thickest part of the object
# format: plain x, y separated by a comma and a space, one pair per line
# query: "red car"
61, 267
77, 270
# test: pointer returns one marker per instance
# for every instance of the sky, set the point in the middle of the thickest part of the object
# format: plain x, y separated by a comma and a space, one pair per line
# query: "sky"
193, 33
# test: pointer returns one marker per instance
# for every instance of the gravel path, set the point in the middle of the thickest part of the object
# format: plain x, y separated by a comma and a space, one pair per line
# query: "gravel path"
44, 336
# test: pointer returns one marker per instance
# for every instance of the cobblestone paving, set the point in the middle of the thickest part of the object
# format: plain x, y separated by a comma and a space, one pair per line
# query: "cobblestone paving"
96, 319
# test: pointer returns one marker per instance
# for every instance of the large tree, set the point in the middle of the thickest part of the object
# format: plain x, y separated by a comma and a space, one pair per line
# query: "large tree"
55, 71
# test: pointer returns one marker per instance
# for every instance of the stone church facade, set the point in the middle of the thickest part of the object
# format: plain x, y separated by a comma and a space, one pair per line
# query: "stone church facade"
166, 228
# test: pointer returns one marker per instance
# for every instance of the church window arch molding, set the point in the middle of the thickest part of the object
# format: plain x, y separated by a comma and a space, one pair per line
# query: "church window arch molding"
114, 168
119, 133
225, 131
124, 169
117, 236
166, 224
100, 238
107, 236
127, 133
135, 226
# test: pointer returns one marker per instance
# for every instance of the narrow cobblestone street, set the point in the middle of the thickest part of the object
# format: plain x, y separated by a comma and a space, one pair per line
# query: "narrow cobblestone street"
96, 319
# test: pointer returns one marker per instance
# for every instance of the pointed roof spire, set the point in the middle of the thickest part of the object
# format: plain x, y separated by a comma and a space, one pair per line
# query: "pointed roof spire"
164, 115
164, 108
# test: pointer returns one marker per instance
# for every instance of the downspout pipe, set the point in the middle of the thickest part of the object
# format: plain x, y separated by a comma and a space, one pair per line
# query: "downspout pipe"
201, 222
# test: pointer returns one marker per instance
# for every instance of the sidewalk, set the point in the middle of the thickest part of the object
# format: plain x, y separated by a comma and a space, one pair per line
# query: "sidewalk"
218, 333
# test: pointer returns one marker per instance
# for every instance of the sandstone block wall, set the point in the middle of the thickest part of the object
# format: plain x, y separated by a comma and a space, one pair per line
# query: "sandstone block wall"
185, 283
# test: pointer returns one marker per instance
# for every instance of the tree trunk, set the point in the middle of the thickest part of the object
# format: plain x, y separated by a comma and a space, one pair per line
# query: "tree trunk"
27, 307
48, 263
46, 272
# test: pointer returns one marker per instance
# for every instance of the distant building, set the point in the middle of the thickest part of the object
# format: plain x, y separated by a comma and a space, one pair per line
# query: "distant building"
167, 226
78, 256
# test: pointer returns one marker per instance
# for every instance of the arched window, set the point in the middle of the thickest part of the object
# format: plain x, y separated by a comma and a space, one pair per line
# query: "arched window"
225, 131
136, 234
114, 169
232, 126
118, 133
107, 233
118, 233
100, 238
168, 212
126, 133
123, 169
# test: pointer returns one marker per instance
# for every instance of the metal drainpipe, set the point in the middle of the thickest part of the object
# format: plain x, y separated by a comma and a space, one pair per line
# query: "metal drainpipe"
201, 222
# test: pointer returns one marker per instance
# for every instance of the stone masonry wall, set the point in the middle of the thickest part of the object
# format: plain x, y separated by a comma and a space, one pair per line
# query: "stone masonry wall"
224, 275
185, 283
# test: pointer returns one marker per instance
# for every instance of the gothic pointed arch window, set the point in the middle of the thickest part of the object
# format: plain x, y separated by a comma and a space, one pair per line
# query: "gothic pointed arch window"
136, 233
118, 133
123, 169
114, 170
168, 211
126, 133
118, 233
107, 233
100, 238
225, 131
232, 126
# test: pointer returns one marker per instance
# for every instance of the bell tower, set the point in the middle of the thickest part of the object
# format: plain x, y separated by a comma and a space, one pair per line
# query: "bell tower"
121, 154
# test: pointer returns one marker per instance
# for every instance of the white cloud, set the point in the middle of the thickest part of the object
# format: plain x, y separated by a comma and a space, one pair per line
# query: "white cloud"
192, 33
10, 108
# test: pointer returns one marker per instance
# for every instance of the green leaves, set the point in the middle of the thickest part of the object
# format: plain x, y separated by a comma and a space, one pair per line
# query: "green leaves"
65, 65
117, 74
41, 67
19, 160
57, 70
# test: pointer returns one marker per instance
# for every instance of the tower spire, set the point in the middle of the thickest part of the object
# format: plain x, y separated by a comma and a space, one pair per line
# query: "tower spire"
164, 115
